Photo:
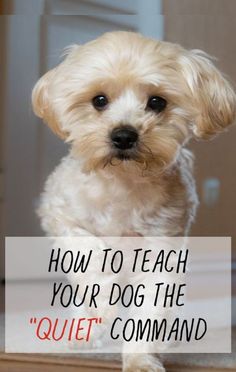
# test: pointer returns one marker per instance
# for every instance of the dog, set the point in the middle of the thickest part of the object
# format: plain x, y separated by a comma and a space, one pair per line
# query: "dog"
128, 105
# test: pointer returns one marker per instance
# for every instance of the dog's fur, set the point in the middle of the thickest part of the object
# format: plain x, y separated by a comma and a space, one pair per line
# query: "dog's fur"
153, 192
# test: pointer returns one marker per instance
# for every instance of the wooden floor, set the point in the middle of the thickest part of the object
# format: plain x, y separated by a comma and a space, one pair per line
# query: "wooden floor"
51, 364
71, 363
48, 363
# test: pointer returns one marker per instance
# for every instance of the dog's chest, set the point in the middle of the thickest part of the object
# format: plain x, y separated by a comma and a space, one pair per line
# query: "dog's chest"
113, 208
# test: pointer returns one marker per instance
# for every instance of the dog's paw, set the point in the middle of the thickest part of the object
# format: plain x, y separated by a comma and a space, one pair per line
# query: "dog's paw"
142, 363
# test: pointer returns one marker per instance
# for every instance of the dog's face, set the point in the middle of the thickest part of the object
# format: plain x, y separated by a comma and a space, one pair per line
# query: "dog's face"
125, 99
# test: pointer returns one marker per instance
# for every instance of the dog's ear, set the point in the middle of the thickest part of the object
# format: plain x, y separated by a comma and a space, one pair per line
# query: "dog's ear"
213, 96
42, 104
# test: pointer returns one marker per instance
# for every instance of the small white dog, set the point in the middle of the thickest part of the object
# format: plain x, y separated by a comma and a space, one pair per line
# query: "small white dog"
128, 105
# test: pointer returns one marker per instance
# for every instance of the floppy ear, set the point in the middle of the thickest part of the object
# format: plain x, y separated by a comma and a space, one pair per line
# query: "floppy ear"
42, 105
213, 96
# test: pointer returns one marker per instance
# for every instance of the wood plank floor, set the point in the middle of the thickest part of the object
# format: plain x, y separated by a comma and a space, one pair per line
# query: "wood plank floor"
70, 363
50, 363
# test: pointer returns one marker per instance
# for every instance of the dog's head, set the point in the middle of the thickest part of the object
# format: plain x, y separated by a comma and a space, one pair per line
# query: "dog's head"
125, 99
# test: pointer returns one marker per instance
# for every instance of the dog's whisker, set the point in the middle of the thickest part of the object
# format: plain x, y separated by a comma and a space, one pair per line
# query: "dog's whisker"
148, 149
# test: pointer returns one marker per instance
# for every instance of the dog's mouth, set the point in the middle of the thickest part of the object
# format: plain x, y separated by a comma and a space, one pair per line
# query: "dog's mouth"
136, 154
140, 154
123, 155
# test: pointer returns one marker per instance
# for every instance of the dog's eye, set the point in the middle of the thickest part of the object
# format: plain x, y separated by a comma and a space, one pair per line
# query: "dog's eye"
100, 102
156, 103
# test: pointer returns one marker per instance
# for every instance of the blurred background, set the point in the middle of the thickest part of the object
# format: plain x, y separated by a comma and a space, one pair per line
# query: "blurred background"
32, 37
33, 34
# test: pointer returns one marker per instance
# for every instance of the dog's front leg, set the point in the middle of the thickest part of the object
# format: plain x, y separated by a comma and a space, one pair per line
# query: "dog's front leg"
142, 363
143, 355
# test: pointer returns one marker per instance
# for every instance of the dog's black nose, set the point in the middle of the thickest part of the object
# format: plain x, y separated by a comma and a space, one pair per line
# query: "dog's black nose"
124, 138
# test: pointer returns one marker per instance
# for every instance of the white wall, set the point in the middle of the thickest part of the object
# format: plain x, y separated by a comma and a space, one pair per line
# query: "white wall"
34, 45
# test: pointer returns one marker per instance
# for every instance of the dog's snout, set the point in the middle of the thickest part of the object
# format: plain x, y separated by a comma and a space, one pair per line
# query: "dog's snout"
124, 138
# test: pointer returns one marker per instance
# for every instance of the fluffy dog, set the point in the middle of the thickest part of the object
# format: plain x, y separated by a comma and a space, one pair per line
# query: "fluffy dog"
128, 105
